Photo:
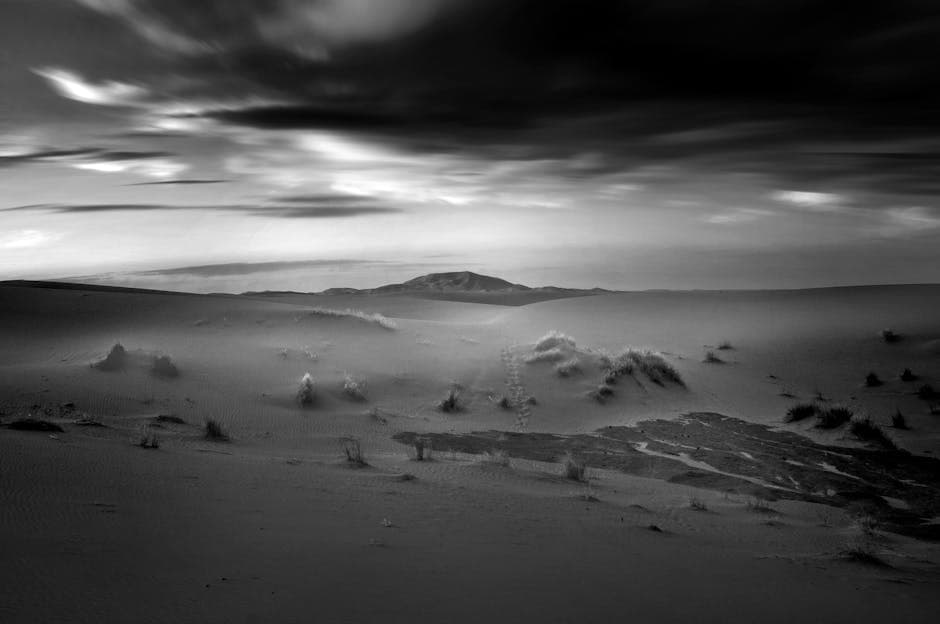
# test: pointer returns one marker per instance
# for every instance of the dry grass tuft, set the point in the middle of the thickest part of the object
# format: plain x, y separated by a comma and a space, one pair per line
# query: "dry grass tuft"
574, 469
353, 452
163, 366
306, 393
868, 431
115, 360
355, 389
213, 431
568, 367
555, 340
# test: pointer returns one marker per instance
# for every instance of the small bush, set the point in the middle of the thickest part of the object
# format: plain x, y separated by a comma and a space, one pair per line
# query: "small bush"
149, 440
163, 366
617, 366
712, 358
801, 411
504, 402
496, 457
573, 468
375, 318
115, 359
34, 424
697, 504
889, 335
555, 339
759, 505
601, 393
926, 392
864, 551
353, 452
872, 381
213, 431
568, 367
898, 421
833, 417
868, 431
907, 375
451, 403
306, 393
354, 388
422, 448
656, 369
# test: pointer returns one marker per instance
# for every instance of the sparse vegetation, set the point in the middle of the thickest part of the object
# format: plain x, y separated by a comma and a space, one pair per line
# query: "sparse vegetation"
868, 431
163, 366
833, 417
757, 504
550, 355
169, 418
213, 431
115, 359
353, 452
306, 393
503, 402
496, 457
149, 440
898, 421
574, 469
554, 340
354, 388
697, 504
658, 370
601, 393
568, 367
889, 335
35, 424
712, 358
451, 403
872, 380
374, 317
863, 551
724, 345
801, 411
907, 375
422, 448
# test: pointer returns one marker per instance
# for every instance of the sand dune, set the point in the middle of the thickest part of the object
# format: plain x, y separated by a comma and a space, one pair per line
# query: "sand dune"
275, 525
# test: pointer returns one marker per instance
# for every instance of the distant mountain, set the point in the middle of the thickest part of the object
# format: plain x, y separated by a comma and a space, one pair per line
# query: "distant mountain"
461, 281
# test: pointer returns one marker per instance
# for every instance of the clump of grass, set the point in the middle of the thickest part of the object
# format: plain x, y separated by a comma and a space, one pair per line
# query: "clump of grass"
866, 430
863, 551
712, 358
451, 403
375, 318
872, 380
504, 402
889, 335
601, 393
898, 421
496, 457
568, 367
422, 447
554, 340
757, 504
907, 375
656, 369
926, 392
617, 366
213, 431
306, 393
801, 411
353, 452
574, 469
34, 424
163, 366
354, 388
115, 359
833, 417
149, 440
549, 355
697, 504
724, 345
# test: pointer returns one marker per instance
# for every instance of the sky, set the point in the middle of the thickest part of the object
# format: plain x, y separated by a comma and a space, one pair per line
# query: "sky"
232, 145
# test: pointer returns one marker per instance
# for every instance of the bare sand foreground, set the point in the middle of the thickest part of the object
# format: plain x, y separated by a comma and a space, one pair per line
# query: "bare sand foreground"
698, 502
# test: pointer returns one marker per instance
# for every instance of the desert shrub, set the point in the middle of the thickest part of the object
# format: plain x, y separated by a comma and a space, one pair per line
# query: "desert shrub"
833, 417
907, 375
568, 367
712, 358
864, 551
496, 457
898, 421
504, 402
555, 340
451, 403
169, 418
889, 335
549, 355
306, 393
757, 504
214, 431
354, 388
724, 345
872, 380
655, 367
422, 447
697, 504
115, 359
866, 430
353, 452
617, 366
163, 366
149, 440
375, 318
574, 469
801, 411
601, 393
530, 400
34, 424
926, 392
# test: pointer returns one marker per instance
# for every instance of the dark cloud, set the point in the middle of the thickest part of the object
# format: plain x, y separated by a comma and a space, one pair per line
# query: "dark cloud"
183, 182
289, 211
248, 268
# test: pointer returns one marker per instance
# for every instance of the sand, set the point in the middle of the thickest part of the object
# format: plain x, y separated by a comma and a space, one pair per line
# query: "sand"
275, 526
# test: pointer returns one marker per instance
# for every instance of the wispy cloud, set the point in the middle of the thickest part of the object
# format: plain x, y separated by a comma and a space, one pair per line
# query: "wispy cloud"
290, 211
22, 239
811, 200
110, 93
734, 217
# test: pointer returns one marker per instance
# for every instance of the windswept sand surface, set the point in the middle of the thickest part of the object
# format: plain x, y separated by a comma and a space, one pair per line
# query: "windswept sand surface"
275, 526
